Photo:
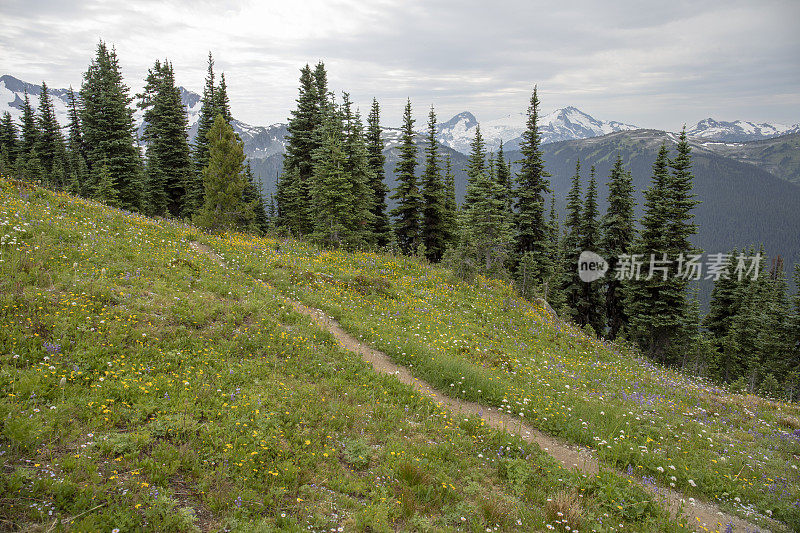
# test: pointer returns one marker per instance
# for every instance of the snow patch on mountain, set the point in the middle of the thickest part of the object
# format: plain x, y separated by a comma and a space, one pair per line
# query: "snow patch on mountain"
259, 141
739, 130
562, 124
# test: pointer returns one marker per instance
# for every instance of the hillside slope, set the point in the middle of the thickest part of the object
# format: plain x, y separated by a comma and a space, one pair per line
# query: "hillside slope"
144, 386
482, 343
779, 156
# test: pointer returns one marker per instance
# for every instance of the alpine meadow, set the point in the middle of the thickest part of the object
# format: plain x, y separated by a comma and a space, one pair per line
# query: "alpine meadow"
367, 318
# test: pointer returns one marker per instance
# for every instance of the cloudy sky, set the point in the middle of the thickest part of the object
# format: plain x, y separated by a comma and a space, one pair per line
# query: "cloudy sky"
654, 64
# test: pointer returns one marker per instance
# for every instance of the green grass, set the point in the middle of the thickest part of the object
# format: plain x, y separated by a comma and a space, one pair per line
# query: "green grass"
481, 342
145, 387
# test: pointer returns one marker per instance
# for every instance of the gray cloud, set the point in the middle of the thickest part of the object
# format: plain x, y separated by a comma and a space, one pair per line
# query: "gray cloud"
656, 64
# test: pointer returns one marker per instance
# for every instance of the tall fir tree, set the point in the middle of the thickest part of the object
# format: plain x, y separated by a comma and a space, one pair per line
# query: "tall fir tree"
794, 333
28, 165
618, 233
450, 205
50, 141
225, 182
591, 307
321, 87
195, 187
169, 165
658, 305
642, 298
531, 237
76, 150
294, 184
571, 284
252, 195
408, 212
504, 178
30, 131
359, 174
331, 191
555, 296
487, 231
9, 144
434, 224
476, 167
722, 308
108, 128
381, 228
222, 104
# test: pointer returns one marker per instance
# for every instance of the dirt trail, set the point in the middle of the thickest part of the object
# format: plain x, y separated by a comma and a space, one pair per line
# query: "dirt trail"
704, 516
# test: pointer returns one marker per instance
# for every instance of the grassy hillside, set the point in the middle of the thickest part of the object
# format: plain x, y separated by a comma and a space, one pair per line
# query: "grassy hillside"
779, 156
143, 386
482, 343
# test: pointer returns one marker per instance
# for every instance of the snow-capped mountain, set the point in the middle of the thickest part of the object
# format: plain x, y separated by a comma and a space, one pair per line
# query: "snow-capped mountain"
560, 125
12, 95
739, 130
259, 141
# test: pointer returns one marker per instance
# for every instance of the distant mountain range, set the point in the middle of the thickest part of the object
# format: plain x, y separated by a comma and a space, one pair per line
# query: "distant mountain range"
259, 141
560, 125
563, 124
739, 130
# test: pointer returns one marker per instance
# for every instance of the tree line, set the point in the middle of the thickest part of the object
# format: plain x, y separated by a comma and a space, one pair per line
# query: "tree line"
332, 191
101, 158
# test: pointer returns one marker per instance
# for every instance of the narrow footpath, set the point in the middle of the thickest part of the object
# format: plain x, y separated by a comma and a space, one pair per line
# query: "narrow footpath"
704, 516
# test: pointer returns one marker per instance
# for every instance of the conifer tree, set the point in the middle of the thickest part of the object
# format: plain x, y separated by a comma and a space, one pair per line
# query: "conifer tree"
49, 141
434, 225
591, 305
9, 143
76, 152
504, 179
321, 88
294, 184
793, 340
222, 104
450, 205
169, 165
772, 336
531, 239
380, 225
476, 166
225, 181
359, 174
252, 196
642, 296
106, 189
487, 230
108, 129
208, 112
571, 284
331, 190
30, 132
409, 200
658, 306
556, 297
618, 233
724, 302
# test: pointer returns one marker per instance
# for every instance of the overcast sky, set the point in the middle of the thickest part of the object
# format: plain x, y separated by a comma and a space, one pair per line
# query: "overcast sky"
653, 64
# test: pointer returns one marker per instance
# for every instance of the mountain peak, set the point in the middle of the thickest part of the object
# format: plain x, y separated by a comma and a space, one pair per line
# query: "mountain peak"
562, 124
738, 130
465, 117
